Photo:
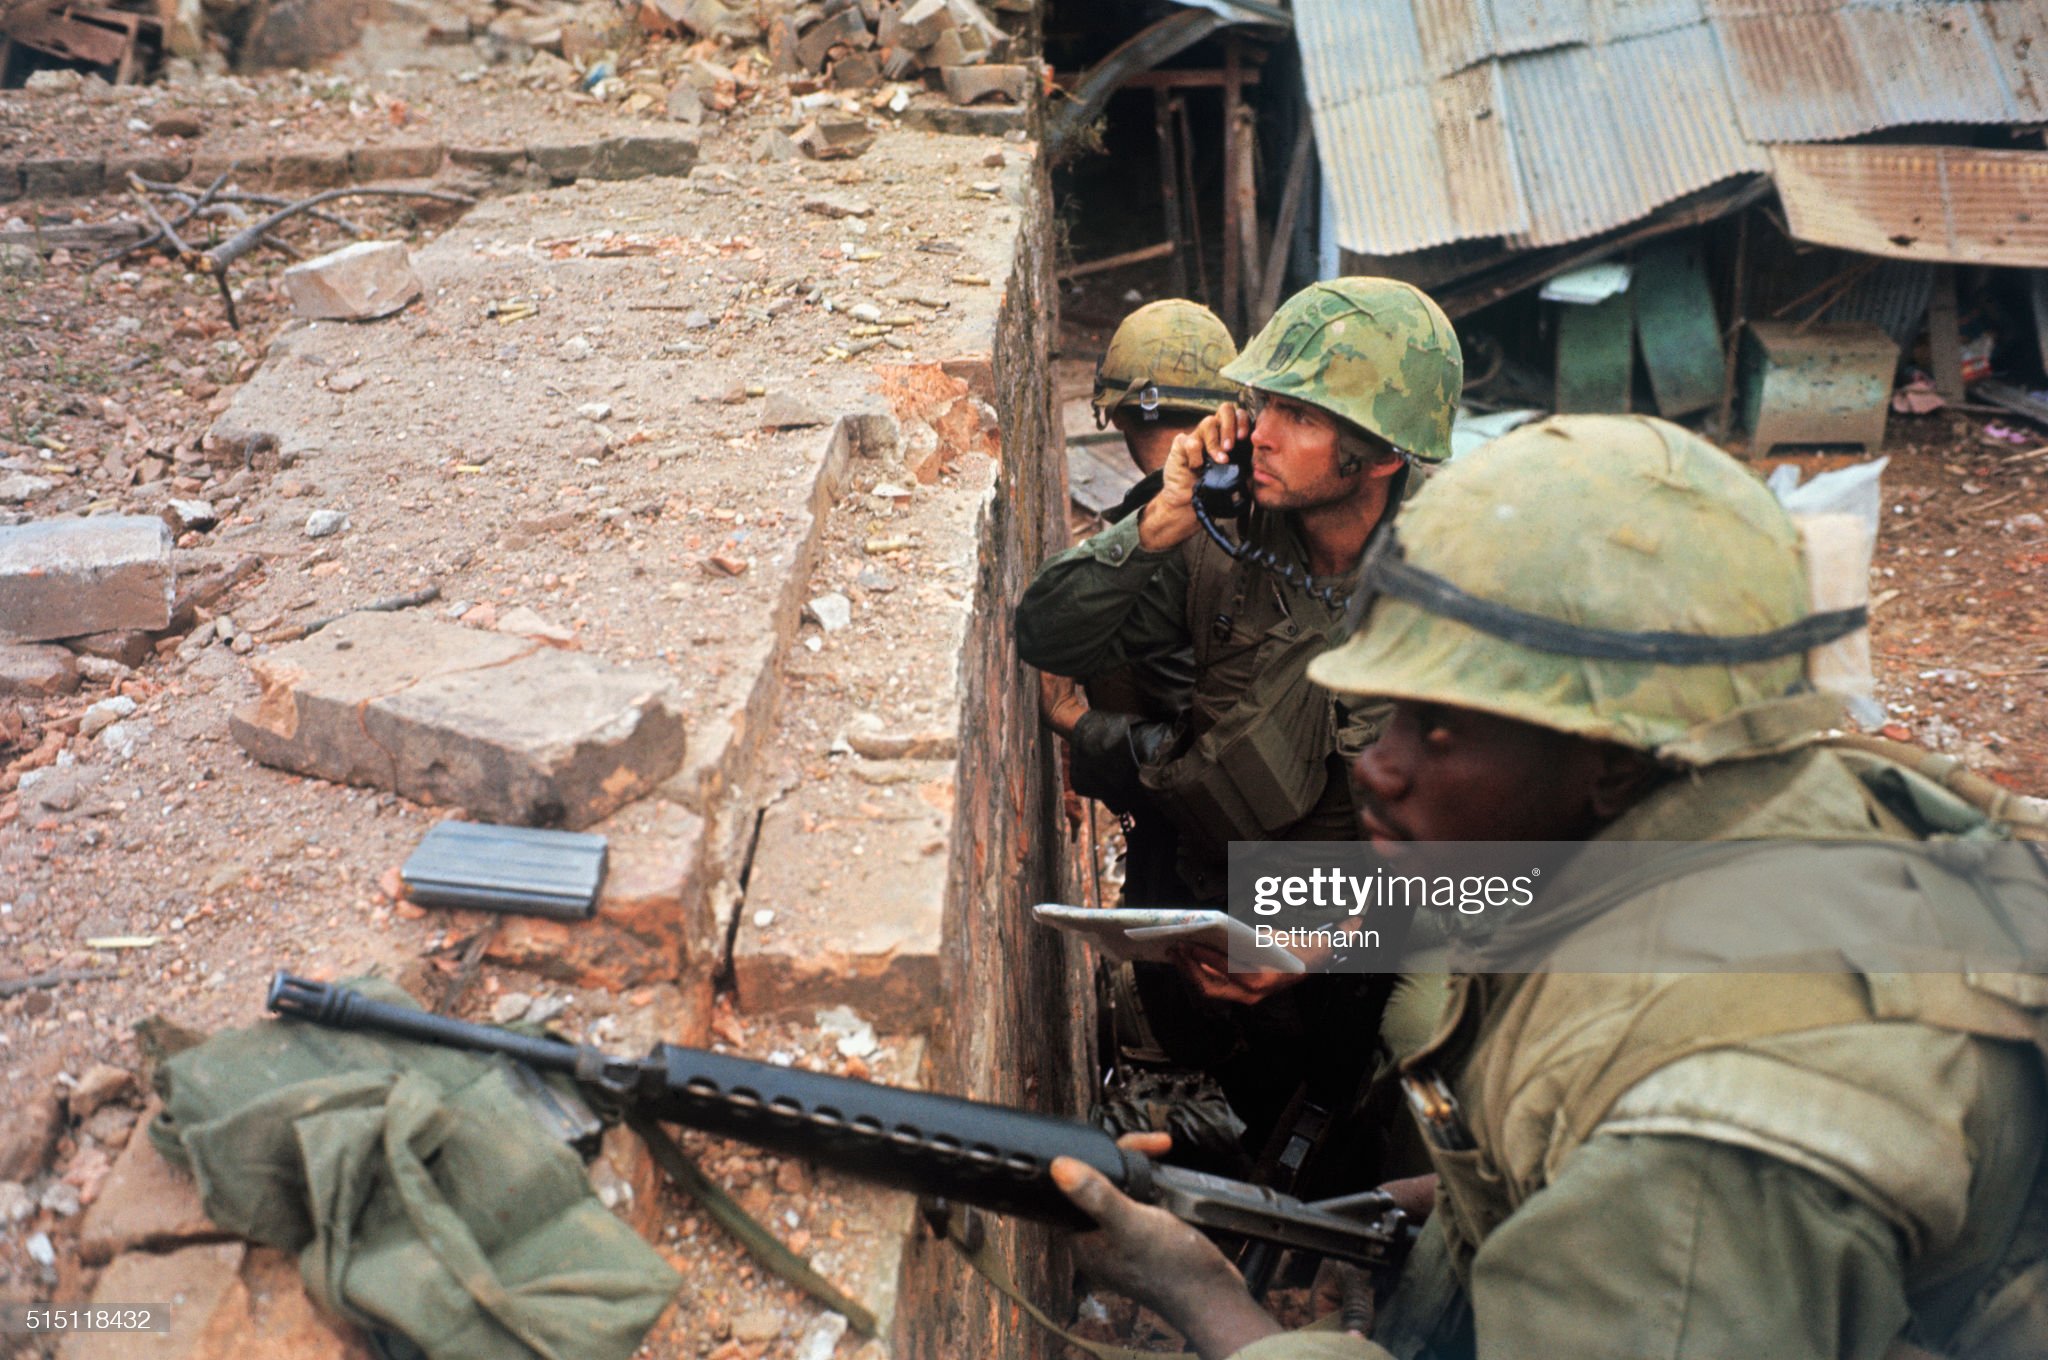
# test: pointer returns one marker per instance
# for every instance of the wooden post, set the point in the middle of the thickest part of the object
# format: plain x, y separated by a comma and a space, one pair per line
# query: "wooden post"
1944, 336
1248, 212
1731, 344
1187, 193
1233, 313
1283, 224
1169, 188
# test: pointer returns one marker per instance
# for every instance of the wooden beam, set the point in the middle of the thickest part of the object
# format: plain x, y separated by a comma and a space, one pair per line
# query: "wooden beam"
1075, 271
1169, 188
1944, 335
1233, 78
1283, 223
1248, 213
1187, 80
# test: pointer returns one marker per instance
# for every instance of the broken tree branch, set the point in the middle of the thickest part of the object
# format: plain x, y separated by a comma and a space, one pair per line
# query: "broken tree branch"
217, 260
37, 981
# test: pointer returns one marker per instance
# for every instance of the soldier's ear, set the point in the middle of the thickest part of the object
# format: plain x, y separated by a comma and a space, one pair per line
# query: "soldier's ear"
1622, 777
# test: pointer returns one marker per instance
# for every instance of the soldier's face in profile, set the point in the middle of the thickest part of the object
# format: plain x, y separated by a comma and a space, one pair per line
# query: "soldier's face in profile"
1295, 460
1439, 773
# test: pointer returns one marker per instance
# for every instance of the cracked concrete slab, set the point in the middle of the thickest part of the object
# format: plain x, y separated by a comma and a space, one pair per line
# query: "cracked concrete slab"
510, 730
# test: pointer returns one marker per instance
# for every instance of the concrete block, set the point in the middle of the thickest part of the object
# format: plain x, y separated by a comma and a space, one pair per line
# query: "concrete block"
367, 163
146, 1204
196, 1282
832, 139
359, 282
824, 926
920, 25
671, 155
62, 176
61, 578
982, 120
846, 28
955, 47
36, 672
492, 160
970, 84
856, 71
129, 646
575, 160
511, 730
164, 169
311, 168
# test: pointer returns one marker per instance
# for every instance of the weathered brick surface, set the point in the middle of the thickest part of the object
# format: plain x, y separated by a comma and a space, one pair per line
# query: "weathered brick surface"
62, 176
670, 155
416, 161
512, 730
267, 1315
162, 168
492, 160
1020, 1012
311, 167
61, 578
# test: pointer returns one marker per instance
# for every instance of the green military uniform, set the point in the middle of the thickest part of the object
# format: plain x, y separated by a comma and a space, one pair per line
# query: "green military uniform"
1261, 755
1833, 1163
1717, 1164
1260, 752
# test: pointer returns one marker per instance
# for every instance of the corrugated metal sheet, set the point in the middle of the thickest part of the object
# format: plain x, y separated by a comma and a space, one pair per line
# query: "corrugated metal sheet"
1933, 203
1614, 20
1604, 135
1533, 25
2018, 35
1822, 70
1546, 121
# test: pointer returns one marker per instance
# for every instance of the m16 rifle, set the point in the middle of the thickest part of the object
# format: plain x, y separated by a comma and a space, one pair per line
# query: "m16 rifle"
964, 1152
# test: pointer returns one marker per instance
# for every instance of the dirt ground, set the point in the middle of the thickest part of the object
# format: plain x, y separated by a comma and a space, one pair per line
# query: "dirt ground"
213, 870
198, 872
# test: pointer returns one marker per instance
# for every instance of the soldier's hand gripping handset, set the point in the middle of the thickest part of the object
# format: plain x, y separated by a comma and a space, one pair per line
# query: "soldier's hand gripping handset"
1169, 520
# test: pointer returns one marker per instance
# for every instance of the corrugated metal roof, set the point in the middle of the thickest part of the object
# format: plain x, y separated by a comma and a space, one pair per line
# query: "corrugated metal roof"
1934, 203
1547, 121
1606, 134
1821, 70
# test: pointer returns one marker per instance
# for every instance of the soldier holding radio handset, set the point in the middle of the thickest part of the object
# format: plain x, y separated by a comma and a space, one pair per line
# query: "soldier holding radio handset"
1352, 382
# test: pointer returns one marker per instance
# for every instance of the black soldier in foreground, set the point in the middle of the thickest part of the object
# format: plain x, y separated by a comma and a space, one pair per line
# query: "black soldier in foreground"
1692, 1165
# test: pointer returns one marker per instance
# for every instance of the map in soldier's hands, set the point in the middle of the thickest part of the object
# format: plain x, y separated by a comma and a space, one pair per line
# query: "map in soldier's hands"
1152, 934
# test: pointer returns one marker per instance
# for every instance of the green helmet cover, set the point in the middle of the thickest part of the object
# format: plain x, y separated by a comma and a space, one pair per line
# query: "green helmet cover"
1165, 357
1610, 524
1375, 352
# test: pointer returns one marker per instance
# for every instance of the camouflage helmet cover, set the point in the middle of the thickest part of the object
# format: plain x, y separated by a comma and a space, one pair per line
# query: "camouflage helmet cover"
1620, 526
1376, 352
1165, 357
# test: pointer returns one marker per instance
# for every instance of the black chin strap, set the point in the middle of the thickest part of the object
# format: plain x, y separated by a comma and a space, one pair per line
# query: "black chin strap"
1387, 572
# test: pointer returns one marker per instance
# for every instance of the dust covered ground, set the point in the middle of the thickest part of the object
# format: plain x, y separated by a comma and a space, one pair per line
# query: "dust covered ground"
643, 465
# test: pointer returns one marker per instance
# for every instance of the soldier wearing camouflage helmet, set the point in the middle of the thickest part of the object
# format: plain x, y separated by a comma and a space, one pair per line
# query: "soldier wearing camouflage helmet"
1350, 382
1762, 1144
1158, 379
